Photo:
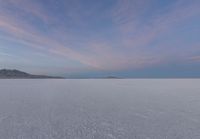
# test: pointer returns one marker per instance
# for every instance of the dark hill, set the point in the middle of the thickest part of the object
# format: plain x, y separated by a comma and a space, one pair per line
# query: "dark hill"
16, 74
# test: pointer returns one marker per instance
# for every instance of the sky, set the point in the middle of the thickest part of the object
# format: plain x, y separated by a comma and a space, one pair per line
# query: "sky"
96, 38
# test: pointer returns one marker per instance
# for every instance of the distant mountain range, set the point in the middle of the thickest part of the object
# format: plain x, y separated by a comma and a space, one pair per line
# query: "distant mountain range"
112, 77
16, 74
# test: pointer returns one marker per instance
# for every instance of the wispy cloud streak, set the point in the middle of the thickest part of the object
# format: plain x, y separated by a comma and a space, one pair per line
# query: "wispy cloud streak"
103, 35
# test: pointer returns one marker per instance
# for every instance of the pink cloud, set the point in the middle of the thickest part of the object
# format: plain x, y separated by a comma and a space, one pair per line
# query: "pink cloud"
30, 8
195, 58
100, 53
136, 35
35, 39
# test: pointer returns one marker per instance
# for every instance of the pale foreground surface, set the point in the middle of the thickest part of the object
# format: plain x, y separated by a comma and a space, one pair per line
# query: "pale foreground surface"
100, 109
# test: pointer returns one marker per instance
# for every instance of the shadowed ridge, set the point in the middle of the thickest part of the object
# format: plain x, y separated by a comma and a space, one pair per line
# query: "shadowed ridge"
16, 74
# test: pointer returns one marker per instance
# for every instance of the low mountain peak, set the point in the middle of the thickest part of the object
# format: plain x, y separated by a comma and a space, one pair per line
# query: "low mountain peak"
14, 73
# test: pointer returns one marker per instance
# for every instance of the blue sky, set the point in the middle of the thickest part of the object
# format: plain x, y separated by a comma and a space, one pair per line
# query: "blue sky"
94, 38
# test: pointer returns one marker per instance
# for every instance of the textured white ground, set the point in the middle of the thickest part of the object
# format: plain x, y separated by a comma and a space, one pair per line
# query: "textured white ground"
100, 109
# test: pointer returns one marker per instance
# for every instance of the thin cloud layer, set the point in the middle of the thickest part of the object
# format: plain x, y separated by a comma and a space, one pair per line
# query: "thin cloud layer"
100, 36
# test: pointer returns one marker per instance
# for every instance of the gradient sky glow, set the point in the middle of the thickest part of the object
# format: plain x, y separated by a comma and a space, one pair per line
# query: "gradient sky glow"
94, 38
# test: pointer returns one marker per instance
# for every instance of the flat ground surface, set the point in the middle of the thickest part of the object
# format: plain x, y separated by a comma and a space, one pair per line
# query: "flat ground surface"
100, 109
